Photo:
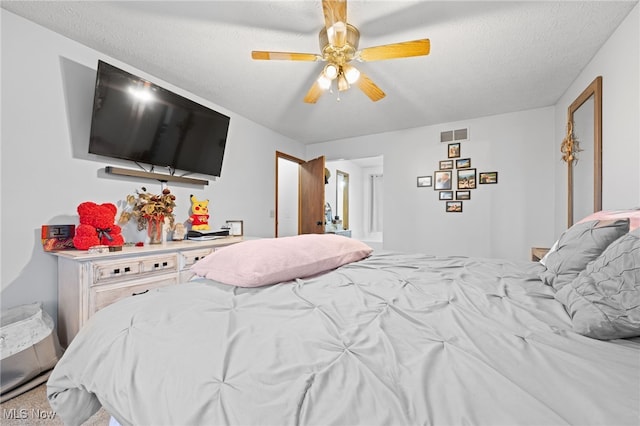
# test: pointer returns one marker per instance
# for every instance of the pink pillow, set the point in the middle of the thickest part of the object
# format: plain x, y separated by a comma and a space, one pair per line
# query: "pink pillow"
255, 263
633, 215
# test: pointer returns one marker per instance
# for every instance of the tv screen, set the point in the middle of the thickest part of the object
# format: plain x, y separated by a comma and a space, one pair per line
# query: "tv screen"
134, 119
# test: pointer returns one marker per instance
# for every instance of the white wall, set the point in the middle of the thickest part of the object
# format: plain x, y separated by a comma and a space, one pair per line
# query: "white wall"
47, 93
502, 220
618, 64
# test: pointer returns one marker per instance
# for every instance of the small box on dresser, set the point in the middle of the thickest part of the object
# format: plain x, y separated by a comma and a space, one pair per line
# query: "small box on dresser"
87, 282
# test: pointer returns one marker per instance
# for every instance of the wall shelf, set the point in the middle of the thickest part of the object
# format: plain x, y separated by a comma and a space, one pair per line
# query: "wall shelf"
156, 176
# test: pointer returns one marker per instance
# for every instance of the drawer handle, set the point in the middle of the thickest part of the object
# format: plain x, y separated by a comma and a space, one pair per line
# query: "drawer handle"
156, 265
116, 271
164, 263
127, 269
142, 292
197, 258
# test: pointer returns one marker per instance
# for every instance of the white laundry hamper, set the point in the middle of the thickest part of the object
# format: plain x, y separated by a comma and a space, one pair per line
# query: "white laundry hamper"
29, 349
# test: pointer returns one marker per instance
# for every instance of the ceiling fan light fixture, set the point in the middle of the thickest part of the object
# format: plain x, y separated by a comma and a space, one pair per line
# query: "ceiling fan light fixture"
351, 73
331, 71
324, 82
343, 84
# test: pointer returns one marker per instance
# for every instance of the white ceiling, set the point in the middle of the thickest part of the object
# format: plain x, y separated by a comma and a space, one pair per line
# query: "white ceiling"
486, 57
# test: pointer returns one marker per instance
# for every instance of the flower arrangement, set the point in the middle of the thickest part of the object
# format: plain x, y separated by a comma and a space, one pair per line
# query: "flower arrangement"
570, 146
149, 208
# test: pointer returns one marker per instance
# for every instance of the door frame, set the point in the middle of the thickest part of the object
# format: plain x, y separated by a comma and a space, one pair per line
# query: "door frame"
299, 161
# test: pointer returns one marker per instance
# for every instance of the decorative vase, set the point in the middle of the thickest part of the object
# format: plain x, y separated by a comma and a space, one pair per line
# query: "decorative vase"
154, 229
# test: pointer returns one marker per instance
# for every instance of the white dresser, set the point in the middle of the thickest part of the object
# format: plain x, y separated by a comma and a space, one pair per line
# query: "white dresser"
87, 282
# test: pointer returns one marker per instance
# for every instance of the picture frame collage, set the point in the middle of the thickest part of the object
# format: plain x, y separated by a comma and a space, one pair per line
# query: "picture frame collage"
459, 170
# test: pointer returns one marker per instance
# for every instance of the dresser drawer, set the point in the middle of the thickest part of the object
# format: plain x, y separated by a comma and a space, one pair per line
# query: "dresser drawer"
125, 269
192, 256
105, 295
159, 264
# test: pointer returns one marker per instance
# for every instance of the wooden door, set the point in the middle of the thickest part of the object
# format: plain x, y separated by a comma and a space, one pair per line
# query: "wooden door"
312, 217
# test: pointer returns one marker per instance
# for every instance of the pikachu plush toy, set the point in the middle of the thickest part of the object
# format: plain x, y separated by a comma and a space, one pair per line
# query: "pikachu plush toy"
199, 214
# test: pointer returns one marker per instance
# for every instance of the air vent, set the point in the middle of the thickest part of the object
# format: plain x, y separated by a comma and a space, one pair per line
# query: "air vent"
446, 136
461, 135
455, 135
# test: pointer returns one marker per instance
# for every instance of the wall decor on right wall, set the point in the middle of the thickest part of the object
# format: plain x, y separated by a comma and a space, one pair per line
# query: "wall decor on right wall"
453, 206
446, 164
453, 150
466, 178
463, 163
424, 181
488, 177
463, 195
443, 180
446, 195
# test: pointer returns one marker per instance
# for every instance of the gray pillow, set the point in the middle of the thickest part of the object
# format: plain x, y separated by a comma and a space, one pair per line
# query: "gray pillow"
604, 300
577, 246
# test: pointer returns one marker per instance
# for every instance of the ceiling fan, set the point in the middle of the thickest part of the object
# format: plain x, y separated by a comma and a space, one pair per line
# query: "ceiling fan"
339, 46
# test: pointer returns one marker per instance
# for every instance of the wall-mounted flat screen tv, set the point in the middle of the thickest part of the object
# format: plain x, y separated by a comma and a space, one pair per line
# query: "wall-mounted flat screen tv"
134, 119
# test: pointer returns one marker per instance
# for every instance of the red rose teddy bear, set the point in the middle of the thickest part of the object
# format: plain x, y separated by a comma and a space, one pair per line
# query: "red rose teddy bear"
97, 226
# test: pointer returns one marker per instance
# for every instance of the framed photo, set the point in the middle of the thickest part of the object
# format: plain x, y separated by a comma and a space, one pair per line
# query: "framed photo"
443, 180
454, 150
446, 164
424, 181
466, 178
446, 195
488, 177
463, 195
463, 163
235, 228
453, 207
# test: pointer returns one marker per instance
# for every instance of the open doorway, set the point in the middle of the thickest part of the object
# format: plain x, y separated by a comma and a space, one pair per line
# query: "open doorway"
287, 190
299, 195
364, 196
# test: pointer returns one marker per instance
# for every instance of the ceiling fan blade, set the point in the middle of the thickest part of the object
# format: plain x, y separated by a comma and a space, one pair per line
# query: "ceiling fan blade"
396, 50
285, 56
335, 21
314, 93
369, 88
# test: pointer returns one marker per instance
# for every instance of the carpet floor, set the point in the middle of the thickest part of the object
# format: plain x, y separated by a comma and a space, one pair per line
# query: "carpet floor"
32, 408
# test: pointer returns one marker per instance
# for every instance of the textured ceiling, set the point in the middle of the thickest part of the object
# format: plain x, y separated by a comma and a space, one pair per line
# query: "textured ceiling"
486, 57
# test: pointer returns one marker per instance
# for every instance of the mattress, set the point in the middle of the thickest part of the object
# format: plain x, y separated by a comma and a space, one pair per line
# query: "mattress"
394, 339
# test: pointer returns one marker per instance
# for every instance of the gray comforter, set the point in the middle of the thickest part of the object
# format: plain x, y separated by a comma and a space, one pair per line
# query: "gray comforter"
394, 339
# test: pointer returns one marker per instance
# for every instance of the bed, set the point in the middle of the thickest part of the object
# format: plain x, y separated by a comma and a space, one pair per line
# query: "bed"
384, 338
